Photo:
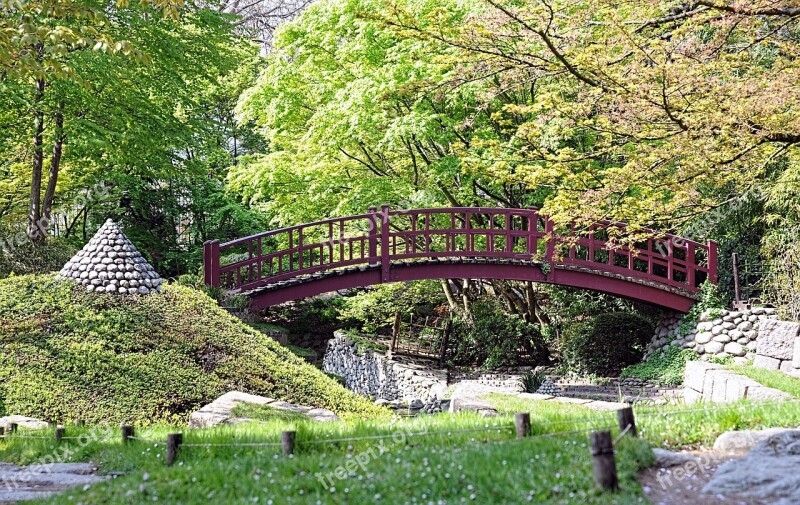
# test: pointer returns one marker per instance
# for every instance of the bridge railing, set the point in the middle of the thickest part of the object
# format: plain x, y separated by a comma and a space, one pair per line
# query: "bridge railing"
383, 236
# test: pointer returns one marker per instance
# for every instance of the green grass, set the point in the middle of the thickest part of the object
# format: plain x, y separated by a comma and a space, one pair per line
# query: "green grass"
301, 351
770, 378
461, 457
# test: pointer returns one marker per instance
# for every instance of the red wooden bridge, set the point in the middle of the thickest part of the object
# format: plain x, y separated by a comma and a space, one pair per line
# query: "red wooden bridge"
387, 245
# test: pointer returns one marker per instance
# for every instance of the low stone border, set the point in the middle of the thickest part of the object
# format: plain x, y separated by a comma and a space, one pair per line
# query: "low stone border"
23, 422
220, 411
713, 383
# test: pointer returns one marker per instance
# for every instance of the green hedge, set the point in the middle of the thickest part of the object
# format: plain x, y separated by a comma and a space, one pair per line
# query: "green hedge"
69, 354
605, 344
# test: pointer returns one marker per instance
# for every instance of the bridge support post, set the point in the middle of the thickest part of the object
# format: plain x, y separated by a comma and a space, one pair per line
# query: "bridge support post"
373, 235
211, 263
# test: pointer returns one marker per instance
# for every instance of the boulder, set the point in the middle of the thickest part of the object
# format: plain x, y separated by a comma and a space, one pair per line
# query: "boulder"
23, 422
714, 347
766, 362
776, 338
734, 349
768, 472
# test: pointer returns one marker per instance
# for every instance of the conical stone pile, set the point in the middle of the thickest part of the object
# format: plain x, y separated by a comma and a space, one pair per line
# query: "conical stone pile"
110, 263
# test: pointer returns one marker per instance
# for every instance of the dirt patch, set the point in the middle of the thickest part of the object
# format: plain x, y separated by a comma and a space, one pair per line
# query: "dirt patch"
682, 484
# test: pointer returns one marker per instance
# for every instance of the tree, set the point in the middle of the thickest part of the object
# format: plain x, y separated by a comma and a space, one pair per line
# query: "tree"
645, 112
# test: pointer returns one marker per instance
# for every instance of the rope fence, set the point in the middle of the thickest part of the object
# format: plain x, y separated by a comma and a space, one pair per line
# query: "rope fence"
600, 441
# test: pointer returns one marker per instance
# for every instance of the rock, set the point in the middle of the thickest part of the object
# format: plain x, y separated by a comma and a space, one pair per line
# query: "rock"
722, 338
769, 471
220, 411
717, 329
766, 362
713, 347
734, 349
704, 337
44, 480
745, 326
667, 459
776, 339
23, 422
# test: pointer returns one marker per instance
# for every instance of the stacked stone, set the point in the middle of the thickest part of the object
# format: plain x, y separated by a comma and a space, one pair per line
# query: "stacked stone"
718, 334
548, 387
667, 335
376, 376
110, 263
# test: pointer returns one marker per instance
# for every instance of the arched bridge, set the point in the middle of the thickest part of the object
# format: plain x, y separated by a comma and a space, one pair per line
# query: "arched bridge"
387, 245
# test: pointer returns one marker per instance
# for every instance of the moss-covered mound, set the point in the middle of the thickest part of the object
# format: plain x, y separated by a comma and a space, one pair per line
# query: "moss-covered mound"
68, 354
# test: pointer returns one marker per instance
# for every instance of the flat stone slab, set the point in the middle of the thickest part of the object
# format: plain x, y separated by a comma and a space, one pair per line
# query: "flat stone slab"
23, 422
667, 459
40, 481
769, 471
776, 339
220, 411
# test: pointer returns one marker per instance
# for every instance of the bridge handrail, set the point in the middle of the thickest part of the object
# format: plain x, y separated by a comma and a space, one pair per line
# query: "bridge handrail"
377, 245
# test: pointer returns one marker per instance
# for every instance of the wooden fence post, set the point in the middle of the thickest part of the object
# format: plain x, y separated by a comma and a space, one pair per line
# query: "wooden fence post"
2, 431
59, 434
603, 464
12, 427
396, 330
174, 441
287, 442
127, 434
448, 327
625, 418
522, 422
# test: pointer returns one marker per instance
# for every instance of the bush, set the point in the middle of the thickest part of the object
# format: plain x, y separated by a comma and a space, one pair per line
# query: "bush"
605, 344
70, 354
532, 381
373, 310
665, 368
493, 338
30, 258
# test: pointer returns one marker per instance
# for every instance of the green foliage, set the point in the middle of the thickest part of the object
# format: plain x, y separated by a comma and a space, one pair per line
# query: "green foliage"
29, 258
492, 338
70, 354
664, 368
532, 380
605, 344
710, 300
373, 310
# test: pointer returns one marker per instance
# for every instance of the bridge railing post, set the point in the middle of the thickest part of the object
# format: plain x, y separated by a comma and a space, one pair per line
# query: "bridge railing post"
550, 248
211, 258
373, 236
384, 243
712, 262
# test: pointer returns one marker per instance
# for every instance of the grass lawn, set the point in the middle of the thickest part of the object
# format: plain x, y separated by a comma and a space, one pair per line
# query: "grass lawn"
462, 458
770, 378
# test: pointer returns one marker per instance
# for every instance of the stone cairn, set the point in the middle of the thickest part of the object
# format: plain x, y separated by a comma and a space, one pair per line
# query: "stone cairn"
110, 263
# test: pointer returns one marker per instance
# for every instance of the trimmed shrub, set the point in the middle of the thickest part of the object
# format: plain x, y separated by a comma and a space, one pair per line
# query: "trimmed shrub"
30, 258
70, 354
605, 344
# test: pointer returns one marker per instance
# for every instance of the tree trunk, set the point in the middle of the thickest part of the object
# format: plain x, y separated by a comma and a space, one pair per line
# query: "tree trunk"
55, 165
448, 292
35, 207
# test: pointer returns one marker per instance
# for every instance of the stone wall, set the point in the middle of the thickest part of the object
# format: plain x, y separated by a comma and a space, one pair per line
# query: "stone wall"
718, 334
710, 382
374, 375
